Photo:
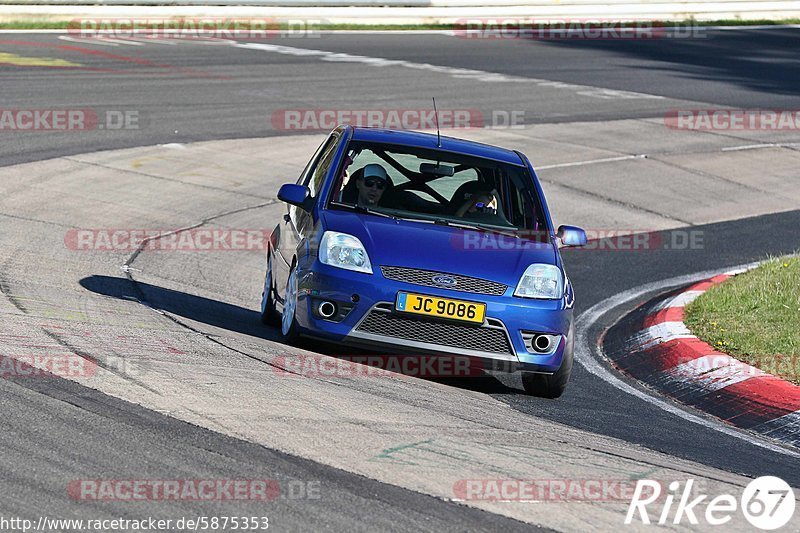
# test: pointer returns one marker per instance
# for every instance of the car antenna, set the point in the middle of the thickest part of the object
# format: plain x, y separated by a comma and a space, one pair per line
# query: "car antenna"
436, 116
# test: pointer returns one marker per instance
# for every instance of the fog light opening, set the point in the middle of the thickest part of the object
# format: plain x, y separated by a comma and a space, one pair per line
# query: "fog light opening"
542, 343
326, 309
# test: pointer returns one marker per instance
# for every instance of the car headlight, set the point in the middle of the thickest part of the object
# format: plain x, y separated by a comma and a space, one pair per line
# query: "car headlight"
344, 251
541, 281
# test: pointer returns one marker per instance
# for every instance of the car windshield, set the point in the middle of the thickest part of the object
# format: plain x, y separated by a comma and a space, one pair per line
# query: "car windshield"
437, 186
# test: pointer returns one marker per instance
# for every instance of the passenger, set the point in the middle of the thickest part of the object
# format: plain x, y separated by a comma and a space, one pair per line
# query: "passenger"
371, 184
479, 203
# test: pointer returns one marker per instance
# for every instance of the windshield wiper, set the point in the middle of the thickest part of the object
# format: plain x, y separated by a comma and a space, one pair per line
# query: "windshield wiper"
362, 209
439, 221
476, 227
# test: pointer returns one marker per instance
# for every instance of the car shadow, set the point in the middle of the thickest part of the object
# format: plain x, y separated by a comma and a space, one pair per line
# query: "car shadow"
248, 322
198, 308
487, 384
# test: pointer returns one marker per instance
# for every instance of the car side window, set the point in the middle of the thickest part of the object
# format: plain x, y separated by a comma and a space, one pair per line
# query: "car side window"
322, 166
320, 162
303, 179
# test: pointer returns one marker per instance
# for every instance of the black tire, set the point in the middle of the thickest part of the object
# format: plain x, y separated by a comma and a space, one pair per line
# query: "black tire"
269, 314
551, 386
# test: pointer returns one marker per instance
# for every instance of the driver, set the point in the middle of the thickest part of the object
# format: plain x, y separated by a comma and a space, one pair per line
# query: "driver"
478, 203
371, 184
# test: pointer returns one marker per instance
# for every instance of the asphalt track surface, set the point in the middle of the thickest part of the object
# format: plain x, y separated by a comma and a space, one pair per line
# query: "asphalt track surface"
192, 92
196, 92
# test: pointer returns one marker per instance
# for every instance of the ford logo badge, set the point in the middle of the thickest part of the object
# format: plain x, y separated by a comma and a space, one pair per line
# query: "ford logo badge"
444, 281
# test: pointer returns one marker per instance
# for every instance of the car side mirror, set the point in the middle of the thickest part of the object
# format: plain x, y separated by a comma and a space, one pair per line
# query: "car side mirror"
571, 236
294, 194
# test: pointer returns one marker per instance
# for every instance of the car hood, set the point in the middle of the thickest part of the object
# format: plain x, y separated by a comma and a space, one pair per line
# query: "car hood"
441, 248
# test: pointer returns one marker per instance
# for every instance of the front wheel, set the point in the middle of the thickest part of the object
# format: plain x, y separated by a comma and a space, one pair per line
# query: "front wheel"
288, 321
269, 315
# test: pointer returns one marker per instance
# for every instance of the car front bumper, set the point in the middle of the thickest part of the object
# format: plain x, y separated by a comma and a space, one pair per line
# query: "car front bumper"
371, 322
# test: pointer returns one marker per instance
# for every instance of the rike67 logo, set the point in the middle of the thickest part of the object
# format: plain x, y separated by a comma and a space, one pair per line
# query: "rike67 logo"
767, 503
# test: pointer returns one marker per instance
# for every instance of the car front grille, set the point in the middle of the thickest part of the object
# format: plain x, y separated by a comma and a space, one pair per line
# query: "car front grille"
487, 338
417, 276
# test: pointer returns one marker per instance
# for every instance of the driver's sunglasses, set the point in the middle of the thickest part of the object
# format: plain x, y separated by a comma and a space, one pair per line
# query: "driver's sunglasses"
370, 182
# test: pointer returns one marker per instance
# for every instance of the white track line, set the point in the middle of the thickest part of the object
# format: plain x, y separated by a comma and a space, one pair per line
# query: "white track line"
154, 40
325, 55
126, 42
588, 354
459, 73
750, 147
102, 42
592, 162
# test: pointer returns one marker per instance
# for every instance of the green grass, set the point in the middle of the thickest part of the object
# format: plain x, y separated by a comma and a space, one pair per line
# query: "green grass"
755, 317
40, 24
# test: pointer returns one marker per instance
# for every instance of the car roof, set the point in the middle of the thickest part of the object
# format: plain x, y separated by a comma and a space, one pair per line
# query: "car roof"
429, 140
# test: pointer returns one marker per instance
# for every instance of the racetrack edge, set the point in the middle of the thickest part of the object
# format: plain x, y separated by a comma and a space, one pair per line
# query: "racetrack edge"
652, 345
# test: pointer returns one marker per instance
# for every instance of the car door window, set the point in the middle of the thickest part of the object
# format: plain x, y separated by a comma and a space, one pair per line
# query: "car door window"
325, 151
313, 177
317, 177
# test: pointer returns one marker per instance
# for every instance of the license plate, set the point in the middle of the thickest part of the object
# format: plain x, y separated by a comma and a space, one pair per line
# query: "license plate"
440, 307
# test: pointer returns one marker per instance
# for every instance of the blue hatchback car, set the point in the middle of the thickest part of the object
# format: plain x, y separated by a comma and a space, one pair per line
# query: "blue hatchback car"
409, 242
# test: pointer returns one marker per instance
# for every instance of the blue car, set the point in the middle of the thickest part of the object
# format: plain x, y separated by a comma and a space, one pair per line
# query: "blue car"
407, 242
